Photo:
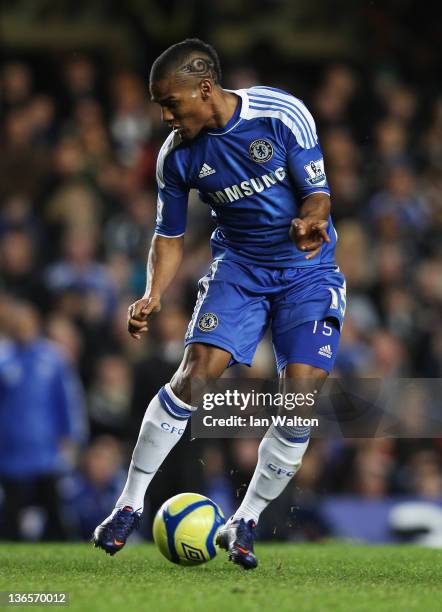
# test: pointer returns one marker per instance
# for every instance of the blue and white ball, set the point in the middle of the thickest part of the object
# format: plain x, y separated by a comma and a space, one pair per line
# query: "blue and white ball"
185, 528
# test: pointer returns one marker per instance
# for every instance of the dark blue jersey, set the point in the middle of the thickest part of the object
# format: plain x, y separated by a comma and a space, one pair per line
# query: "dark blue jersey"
254, 173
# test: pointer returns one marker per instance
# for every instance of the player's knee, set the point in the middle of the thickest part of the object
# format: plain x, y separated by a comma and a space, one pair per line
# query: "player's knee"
307, 375
200, 363
189, 374
189, 377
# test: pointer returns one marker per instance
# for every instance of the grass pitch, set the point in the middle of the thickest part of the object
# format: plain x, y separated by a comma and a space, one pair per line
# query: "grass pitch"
290, 577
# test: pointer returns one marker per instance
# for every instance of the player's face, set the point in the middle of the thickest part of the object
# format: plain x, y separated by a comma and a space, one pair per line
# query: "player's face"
183, 104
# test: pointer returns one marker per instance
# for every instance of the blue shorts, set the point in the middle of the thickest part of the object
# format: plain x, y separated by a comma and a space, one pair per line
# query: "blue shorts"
238, 302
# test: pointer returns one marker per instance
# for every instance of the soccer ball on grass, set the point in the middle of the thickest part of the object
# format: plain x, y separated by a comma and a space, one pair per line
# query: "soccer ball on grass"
185, 528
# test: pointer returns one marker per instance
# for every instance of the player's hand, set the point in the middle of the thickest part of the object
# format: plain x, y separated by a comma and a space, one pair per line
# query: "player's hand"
309, 235
138, 314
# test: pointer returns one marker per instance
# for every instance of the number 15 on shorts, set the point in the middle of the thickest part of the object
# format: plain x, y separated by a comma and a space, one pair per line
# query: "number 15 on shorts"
323, 326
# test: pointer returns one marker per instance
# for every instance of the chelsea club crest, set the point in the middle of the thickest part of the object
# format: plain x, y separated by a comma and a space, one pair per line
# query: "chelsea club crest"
261, 151
208, 322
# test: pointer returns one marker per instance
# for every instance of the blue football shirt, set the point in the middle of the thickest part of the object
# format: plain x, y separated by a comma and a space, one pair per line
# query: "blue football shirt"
254, 174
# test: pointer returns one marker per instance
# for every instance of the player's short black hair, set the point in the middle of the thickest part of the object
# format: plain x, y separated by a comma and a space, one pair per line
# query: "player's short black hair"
192, 57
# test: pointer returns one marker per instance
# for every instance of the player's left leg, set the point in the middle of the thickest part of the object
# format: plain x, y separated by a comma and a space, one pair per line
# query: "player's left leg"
301, 360
305, 350
281, 450
279, 458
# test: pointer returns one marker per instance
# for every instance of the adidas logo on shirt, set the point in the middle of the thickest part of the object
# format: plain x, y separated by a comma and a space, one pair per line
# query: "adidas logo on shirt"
326, 351
206, 170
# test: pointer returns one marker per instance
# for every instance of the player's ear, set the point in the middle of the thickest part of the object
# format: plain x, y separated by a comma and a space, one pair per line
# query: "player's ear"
206, 88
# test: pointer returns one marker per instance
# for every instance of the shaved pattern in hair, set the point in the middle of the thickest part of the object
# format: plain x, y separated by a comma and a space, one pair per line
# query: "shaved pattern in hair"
190, 58
199, 67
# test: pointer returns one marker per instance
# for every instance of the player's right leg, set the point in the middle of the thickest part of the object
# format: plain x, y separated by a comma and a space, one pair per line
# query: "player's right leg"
163, 425
229, 320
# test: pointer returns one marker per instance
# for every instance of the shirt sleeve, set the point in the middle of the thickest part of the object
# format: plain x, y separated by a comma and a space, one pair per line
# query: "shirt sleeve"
306, 167
173, 196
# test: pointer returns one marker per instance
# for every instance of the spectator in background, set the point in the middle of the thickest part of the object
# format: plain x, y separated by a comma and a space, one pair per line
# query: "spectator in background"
344, 171
334, 96
41, 111
129, 231
424, 473
400, 205
130, 124
80, 80
90, 491
20, 152
389, 356
81, 273
73, 206
401, 103
21, 274
16, 80
17, 213
354, 351
391, 142
42, 421
110, 395
373, 465
66, 336
432, 140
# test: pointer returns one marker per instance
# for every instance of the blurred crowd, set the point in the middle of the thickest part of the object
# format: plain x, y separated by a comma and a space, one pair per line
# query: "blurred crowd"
77, 211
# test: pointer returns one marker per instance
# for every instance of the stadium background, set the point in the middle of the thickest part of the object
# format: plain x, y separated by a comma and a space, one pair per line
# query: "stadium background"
77, 205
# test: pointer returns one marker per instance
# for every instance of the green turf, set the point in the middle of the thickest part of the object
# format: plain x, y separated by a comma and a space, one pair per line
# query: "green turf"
328, 577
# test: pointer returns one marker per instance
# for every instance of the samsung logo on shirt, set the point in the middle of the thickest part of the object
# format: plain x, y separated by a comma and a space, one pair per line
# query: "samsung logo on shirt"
248, 188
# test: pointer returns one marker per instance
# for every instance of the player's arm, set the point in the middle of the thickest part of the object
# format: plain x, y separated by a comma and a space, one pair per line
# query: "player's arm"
306, 167
165, 256
309, 230
166, 251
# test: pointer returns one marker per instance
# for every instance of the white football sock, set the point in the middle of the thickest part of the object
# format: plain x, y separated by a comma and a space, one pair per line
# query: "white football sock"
163, 425
279, 458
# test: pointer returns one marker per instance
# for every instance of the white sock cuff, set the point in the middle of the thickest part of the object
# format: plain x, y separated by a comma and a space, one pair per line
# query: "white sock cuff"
177, 400
290, 436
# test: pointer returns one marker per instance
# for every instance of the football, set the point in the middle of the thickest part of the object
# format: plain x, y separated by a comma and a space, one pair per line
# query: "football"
185, 528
